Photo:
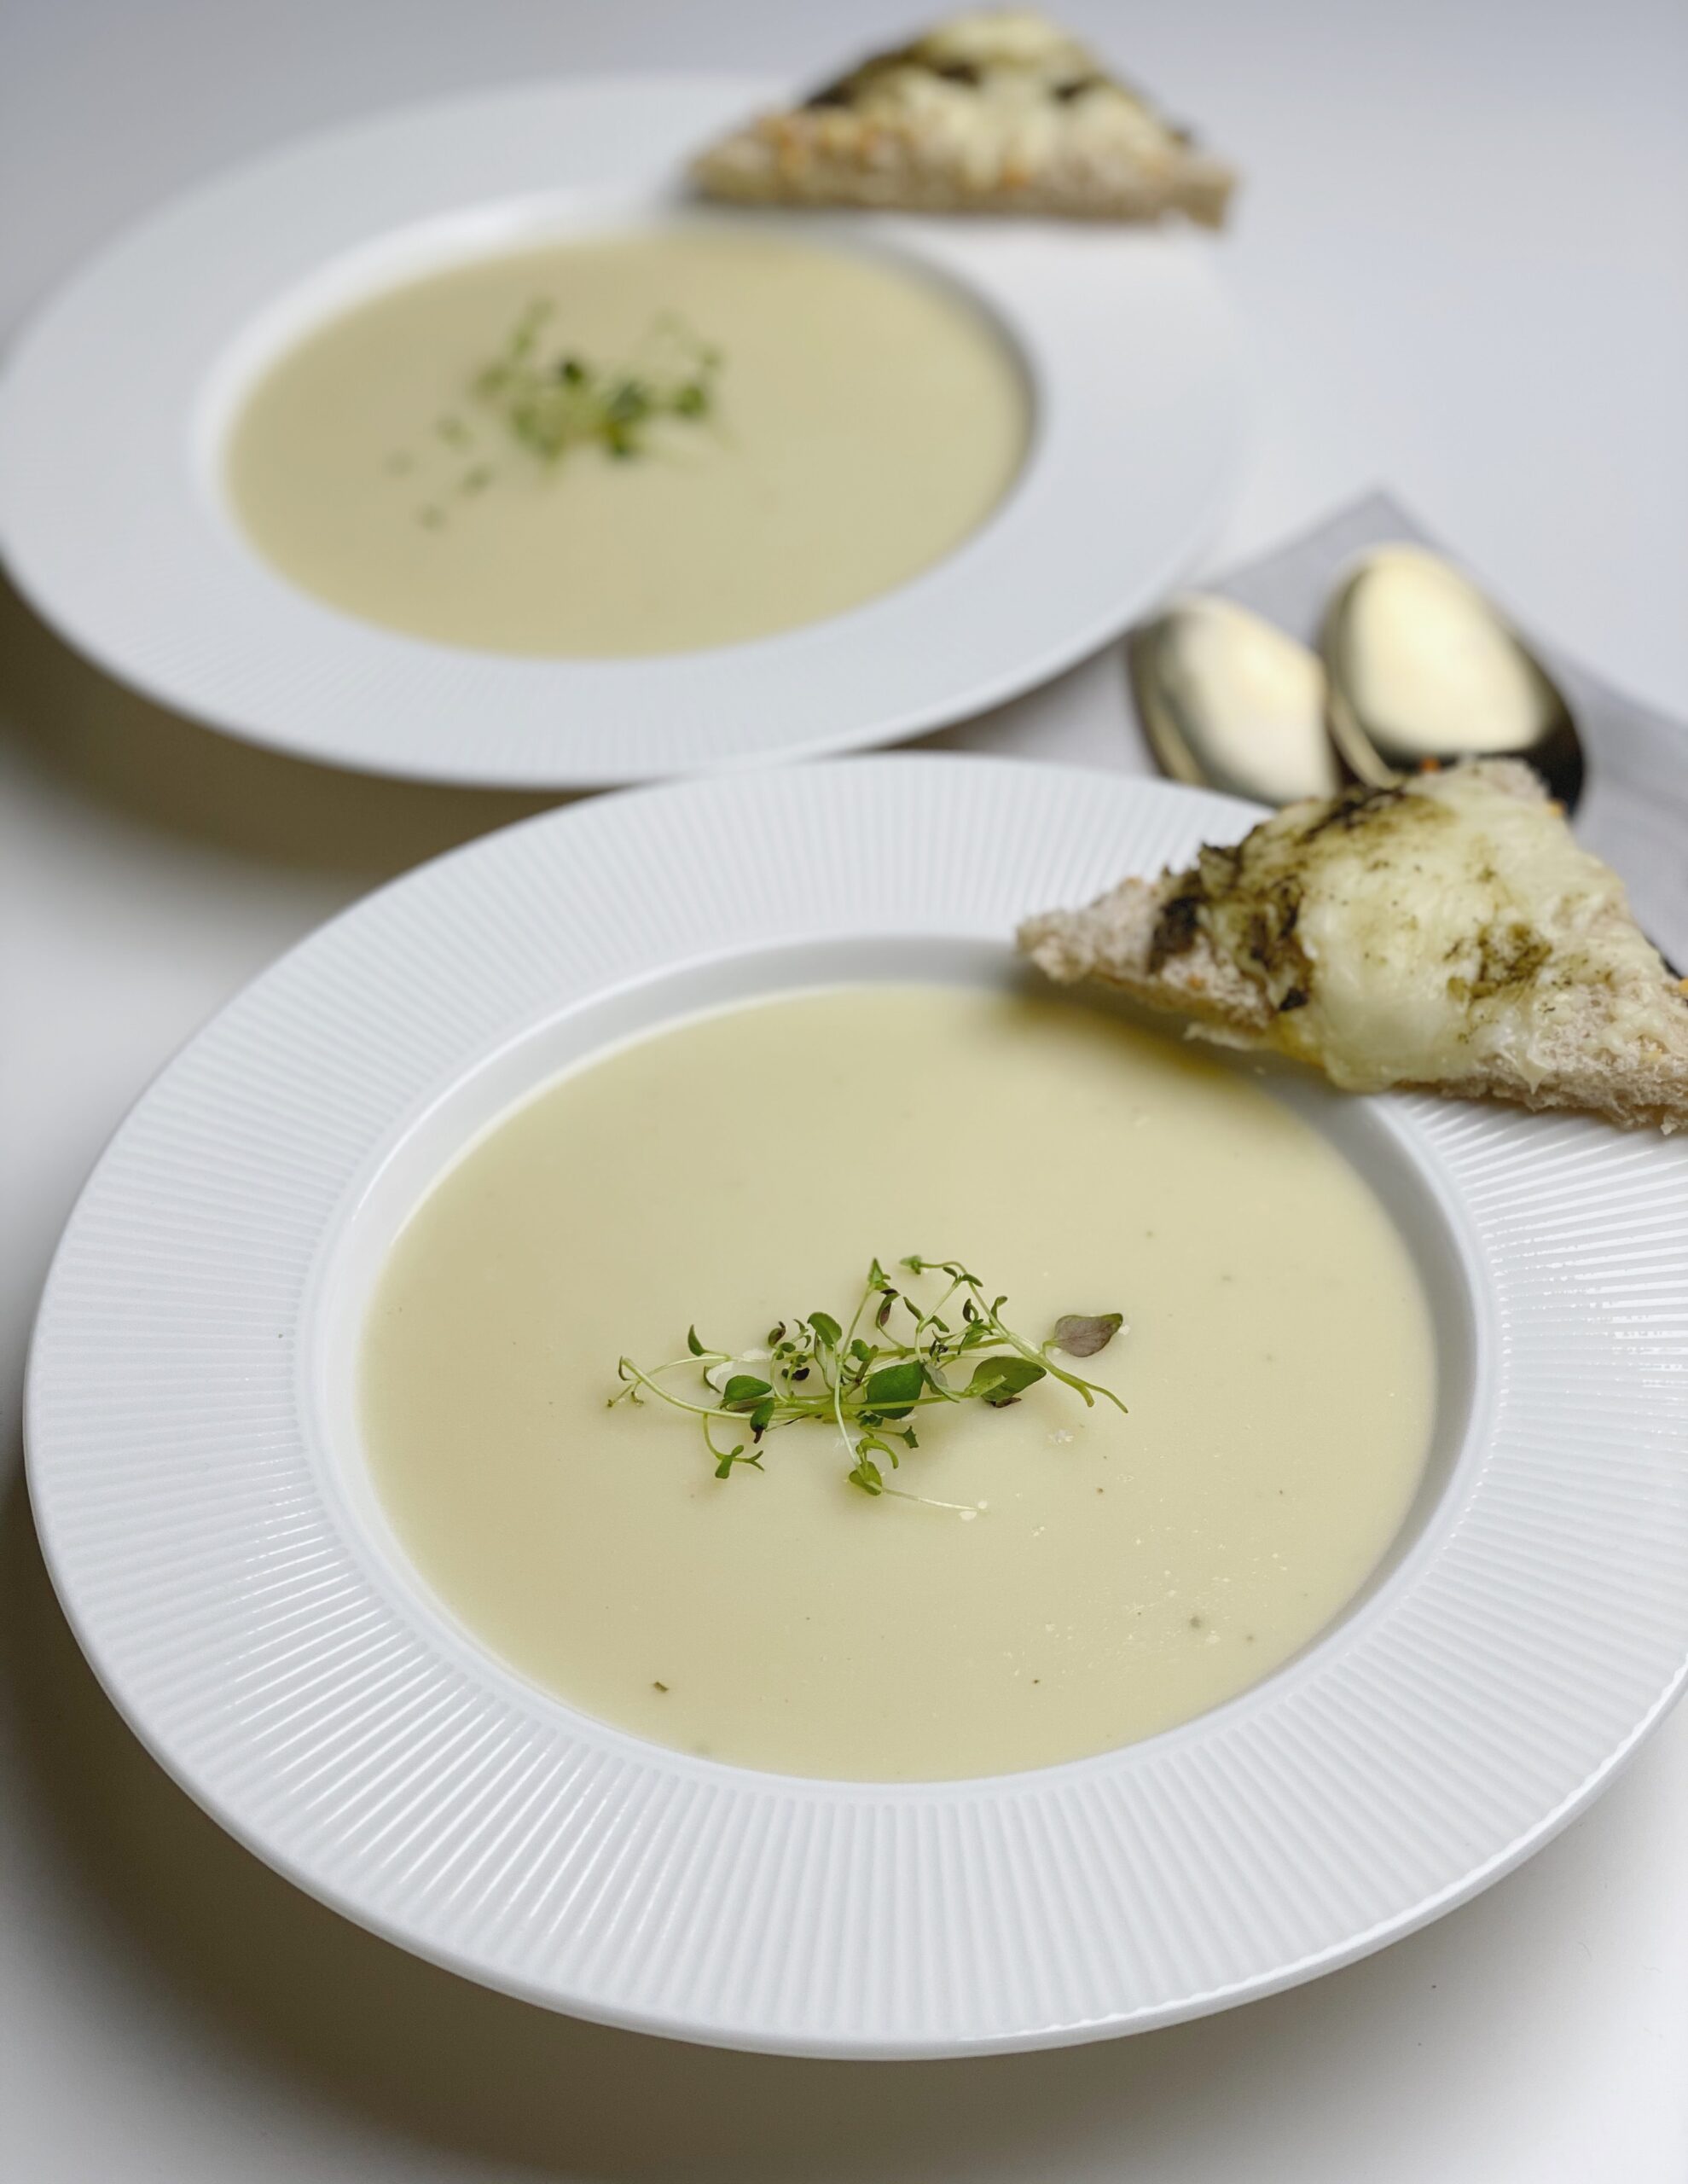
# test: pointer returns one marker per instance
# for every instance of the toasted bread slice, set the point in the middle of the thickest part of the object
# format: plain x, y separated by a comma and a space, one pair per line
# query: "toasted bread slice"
1446, 934
987, 113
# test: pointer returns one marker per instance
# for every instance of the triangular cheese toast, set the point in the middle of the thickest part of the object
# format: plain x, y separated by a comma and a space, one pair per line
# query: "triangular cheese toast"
986, 113
1445, 934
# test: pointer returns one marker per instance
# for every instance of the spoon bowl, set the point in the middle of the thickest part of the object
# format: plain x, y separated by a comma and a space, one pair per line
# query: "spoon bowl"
1227, 701
1421, 669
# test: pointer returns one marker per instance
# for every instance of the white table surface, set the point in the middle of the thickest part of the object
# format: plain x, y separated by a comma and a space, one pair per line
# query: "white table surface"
1463, 260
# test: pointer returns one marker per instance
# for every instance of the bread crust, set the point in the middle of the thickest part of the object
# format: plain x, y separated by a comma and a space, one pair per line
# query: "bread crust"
798, 159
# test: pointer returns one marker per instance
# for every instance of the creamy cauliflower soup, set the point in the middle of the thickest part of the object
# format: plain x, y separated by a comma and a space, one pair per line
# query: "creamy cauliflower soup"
639, 444
1049, 1579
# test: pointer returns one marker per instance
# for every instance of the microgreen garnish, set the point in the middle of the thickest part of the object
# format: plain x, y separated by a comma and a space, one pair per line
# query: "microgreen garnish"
896, 1355
553, 399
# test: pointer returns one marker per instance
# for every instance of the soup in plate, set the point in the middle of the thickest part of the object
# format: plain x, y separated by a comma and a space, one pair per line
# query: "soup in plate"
642, 443
1042, 1576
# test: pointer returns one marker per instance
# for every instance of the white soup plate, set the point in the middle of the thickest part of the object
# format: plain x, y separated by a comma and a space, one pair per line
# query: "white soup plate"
202, 1495
115, 406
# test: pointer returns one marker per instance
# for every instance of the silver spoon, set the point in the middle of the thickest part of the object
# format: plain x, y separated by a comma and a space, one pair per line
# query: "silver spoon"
1421, 667
1417, 666
1229, 702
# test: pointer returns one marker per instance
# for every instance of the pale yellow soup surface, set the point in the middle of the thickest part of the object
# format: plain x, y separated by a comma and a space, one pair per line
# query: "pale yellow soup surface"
865, 420
1119, 1574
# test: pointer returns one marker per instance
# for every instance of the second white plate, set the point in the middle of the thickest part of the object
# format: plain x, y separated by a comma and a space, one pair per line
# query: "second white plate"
112, 519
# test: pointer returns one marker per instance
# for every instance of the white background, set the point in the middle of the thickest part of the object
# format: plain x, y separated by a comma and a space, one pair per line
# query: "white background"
1462, 257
